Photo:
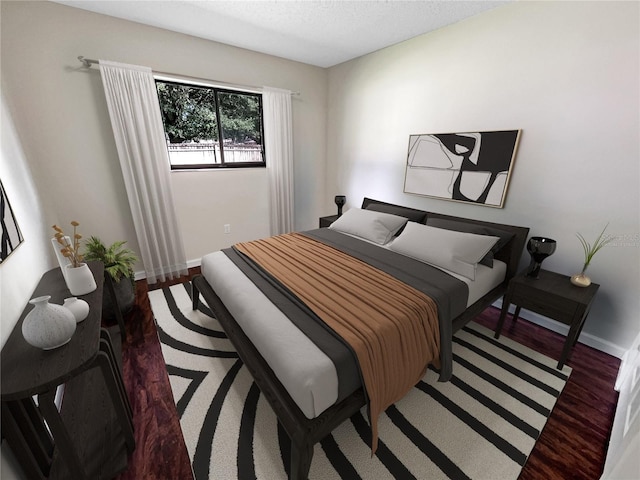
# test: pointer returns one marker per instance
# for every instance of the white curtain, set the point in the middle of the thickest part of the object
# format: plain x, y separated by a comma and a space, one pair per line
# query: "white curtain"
137, 126
278, 140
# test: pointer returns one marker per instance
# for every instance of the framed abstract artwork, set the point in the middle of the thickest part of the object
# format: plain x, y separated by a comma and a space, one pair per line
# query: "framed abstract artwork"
472, 167
11, 236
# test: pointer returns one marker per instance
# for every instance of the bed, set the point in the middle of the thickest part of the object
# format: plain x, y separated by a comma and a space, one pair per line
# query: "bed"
319, 393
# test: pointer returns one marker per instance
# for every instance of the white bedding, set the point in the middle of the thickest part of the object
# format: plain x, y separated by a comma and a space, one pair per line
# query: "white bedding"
303, 369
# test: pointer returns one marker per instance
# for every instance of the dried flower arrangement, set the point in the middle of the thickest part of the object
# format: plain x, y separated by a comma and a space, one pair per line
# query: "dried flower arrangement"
70, 250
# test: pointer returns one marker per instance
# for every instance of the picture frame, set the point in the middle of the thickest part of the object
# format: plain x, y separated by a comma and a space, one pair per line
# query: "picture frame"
470, 167
10, 233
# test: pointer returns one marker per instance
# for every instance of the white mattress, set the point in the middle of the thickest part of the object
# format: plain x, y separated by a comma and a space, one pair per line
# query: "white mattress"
303, 369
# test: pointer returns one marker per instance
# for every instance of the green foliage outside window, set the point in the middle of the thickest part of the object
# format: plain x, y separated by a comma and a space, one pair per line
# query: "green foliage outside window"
189, 114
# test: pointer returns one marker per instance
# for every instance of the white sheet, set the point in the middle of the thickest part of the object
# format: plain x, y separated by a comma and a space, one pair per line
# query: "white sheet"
305, 371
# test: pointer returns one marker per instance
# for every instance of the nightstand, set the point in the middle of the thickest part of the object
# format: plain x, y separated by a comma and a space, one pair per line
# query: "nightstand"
553, 296
326, 221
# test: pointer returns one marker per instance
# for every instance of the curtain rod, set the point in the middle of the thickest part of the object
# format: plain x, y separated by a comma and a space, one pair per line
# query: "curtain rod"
87, 62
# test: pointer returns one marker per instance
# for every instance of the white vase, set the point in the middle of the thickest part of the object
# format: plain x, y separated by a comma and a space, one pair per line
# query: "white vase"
48, 325
78, 307
80, 279
581, 280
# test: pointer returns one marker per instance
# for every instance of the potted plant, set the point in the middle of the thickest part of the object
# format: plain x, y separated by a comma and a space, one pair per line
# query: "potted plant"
581, 279
118, 264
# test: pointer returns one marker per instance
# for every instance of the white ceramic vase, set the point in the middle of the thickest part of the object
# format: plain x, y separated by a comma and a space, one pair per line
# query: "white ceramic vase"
80, 279
78, 307
48, 325
581, 280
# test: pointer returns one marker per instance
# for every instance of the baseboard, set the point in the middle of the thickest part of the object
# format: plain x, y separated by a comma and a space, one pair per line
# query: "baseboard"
585, 338
141, 275
194, 263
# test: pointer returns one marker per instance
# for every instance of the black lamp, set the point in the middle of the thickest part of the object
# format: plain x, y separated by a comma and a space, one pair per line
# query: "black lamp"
539, 248
340, 201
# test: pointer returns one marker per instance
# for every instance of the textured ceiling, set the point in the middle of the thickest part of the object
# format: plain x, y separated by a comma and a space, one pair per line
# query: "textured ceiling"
322, 33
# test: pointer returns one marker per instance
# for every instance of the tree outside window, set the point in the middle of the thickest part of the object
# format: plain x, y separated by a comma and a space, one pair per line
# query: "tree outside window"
196, 118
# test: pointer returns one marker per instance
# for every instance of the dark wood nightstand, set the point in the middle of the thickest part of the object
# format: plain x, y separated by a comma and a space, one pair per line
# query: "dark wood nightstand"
326, 221
553, 296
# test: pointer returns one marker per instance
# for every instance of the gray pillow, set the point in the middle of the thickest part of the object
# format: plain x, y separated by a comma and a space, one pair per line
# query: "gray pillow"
503, 235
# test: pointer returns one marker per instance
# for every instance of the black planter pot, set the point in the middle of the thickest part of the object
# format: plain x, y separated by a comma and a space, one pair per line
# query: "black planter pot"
125, 295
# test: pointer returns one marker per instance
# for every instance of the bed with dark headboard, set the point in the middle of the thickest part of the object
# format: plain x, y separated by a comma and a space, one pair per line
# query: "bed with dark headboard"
305, 432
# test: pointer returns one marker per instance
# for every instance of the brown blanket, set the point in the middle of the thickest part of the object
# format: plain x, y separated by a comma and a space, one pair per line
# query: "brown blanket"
392, 327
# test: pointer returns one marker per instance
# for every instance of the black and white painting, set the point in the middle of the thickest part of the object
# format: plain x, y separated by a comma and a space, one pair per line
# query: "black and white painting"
467, 167
11, 236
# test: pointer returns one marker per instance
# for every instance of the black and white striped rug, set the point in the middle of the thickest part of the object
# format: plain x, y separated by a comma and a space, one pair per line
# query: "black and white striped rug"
482, 424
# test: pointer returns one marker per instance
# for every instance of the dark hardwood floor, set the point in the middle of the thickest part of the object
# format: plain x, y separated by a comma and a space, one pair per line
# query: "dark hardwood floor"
572, 445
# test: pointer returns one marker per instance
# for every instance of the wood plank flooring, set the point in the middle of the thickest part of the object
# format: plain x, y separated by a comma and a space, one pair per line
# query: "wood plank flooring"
572, 445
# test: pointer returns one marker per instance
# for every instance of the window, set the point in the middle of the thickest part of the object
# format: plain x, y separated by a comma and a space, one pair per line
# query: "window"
208, 127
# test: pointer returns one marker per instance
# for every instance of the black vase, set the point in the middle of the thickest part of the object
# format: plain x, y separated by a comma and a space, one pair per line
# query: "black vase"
340, 201
539, 248
125, 294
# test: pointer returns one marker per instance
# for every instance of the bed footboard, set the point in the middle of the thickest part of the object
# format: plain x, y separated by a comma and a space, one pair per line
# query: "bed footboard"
303, 432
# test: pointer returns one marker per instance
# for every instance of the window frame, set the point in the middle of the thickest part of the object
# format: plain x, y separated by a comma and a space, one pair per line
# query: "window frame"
217, 89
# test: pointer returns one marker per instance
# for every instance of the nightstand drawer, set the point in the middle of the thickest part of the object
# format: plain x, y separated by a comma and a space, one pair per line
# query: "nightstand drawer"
546, 304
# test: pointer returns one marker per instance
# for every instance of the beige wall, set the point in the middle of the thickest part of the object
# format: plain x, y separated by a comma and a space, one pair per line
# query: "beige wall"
59, 161
60, 111
567, 74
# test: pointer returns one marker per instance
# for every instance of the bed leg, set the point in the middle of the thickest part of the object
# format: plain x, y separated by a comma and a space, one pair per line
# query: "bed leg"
195, 296
301, 456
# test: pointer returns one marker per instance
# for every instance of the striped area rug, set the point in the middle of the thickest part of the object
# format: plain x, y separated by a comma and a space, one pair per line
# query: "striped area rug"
481, 425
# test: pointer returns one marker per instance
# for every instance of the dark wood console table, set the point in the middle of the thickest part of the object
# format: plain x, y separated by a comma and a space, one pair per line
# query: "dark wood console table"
92, 433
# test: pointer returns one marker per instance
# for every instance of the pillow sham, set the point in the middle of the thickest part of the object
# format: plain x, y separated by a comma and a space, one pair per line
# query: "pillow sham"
503, 235
458, 252
376, 227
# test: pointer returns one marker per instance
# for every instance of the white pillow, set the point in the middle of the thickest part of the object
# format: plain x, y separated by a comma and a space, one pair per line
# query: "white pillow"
457, 252
374, 226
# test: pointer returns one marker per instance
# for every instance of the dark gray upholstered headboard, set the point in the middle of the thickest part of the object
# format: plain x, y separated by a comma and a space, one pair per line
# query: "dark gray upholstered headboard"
412, 214
510, 253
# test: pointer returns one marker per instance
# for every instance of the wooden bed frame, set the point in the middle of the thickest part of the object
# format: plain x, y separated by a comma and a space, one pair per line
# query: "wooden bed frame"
304, 432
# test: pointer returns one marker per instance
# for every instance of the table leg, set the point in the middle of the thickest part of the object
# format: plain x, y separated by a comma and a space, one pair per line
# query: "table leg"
61, 435
26, 434
572, 336
116, 399
516, 314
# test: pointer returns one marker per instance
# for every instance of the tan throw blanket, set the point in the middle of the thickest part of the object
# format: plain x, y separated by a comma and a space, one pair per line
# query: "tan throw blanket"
392, 327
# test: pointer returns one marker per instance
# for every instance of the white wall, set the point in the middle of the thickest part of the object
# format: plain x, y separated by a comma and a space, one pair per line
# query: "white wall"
567, 74
21, 271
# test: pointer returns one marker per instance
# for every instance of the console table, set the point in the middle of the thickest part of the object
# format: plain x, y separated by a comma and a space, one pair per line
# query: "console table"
91, 434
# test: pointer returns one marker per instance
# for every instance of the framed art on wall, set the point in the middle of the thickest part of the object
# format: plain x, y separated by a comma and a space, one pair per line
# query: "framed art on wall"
11, 236
472, 167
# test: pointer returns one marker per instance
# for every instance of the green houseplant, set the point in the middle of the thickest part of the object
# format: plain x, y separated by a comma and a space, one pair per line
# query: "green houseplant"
118, 264
581, 279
